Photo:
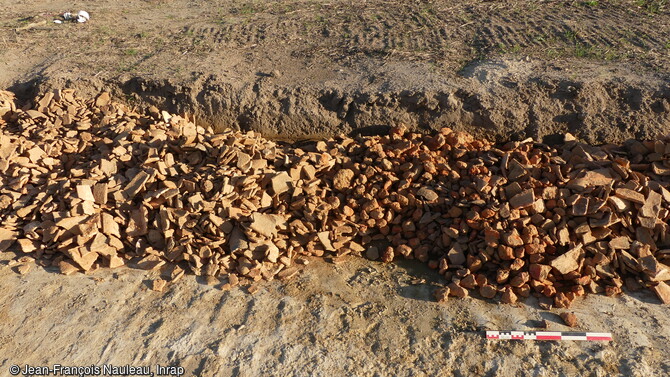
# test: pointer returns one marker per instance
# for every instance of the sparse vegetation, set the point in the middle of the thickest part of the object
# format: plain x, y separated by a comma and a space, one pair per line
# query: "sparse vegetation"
515, 49
571, 36
652, 6
583, 51
416, 31
249, 8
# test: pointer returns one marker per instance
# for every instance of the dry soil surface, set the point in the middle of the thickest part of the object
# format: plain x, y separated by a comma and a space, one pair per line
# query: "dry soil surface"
294, 69
355, 319
297, 69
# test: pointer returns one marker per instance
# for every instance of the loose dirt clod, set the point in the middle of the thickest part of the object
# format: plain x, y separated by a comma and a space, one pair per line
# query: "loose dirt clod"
88, 183
441, 294
158, 285
570, 319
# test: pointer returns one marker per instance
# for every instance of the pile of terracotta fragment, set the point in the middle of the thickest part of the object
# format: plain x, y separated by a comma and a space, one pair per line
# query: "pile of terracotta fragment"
88, 184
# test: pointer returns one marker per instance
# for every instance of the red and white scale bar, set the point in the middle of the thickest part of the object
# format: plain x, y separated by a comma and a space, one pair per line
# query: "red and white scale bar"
548, 335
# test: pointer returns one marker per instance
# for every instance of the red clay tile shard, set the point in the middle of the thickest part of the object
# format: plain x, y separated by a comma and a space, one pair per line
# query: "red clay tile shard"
288, 273
456, 255
7, 238
103, 99
662, 290
512, 238
567, 262
488, 291
84, 192
601, 177
280, 183
539, 271
427, 194
649, 212
67, 268
265, 224
630, 195
523, 199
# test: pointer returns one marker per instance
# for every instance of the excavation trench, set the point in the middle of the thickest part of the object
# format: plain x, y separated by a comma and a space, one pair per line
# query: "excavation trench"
89, 183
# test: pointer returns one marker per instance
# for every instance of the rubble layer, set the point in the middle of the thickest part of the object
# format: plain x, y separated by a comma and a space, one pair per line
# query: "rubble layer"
88, 183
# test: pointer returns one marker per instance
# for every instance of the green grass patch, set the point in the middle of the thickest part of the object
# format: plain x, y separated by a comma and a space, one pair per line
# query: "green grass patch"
583, 51
571, 36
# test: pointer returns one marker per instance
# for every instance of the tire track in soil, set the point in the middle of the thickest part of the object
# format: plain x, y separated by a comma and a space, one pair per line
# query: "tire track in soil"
560, 29
424, 31
370, 32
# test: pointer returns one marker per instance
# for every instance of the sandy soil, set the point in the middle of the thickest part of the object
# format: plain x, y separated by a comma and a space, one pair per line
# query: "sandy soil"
302, 69
307, 68
358, 318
